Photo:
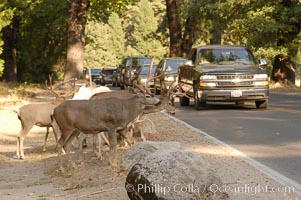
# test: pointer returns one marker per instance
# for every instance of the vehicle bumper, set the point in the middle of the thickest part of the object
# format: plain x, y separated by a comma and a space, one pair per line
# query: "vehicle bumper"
233, 95
108, 81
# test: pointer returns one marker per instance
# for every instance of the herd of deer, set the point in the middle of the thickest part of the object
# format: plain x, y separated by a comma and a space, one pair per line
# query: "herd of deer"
97, 111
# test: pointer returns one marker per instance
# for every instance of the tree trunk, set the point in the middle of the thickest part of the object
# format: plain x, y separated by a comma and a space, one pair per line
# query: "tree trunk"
10, 36
283, 70
216, 36
174, 25
78, 13
190, 29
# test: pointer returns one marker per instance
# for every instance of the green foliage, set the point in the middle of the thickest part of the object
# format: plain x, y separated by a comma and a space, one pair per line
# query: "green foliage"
43, 39
117, 39
96, 53
6, 15
119, 28
102, 9
268, 27
105, 43
142, 38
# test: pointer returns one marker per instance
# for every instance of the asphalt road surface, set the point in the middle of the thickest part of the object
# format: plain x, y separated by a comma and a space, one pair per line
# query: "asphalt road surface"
271, 137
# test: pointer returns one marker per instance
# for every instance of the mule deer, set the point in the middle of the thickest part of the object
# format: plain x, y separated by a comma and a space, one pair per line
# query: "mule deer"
37, 114
111, 115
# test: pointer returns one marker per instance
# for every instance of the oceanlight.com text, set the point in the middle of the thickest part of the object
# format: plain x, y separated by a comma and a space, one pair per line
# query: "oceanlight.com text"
213, 188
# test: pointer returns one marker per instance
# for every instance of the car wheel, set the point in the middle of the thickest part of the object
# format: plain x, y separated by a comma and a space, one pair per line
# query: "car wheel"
197, 103
261, 104
184, 101
157, 91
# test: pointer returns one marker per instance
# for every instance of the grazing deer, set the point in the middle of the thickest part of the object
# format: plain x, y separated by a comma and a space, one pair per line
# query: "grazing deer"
111, 115
38, 114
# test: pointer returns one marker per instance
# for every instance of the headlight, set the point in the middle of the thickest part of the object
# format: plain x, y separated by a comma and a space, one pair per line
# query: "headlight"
143, 80
169, 78
208, 77
87, 76
209, 84
261, 83
261, 76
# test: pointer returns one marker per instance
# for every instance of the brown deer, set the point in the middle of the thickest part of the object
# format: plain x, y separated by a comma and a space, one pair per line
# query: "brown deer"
107, 113
37, 114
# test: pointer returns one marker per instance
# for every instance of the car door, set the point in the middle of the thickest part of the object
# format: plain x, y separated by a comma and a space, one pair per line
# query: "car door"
185, 71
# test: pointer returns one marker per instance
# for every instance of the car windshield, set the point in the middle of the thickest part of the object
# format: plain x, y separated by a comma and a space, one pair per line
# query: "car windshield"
108, 71
173, 65
138, 61
226, 56
93, 71
145, 69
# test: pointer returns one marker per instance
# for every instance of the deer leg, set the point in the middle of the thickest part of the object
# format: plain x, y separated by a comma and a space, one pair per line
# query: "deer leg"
104, 137
56, 131
20, 139
84, 143
113, 150
46, 137
94, 143
99, 145
63, 141
74, 134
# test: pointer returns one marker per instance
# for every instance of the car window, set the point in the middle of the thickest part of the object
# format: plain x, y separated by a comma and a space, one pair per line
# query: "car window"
145, 69
225, 56
173, 65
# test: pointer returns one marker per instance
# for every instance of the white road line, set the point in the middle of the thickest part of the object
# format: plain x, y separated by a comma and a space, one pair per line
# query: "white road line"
283, 180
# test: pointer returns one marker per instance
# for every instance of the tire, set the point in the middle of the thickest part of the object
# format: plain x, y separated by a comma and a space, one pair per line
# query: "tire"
157, 92
261, 104
184, 101
197, 103
122, 87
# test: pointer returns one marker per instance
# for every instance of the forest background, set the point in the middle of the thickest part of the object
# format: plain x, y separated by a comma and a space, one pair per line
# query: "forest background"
36, 35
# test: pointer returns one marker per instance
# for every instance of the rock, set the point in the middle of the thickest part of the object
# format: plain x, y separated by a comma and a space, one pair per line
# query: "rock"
141, 150
170, 173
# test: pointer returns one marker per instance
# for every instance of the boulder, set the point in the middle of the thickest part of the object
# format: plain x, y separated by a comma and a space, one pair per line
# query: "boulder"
141, 150
168, 173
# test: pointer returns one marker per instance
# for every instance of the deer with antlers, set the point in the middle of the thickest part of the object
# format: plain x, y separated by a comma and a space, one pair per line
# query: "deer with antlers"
109, 112
37, 114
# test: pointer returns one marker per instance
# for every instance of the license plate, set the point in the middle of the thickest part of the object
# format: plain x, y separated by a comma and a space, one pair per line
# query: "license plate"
236, 93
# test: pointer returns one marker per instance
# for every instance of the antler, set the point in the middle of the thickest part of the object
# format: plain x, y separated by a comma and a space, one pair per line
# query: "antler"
51, 88
71, 82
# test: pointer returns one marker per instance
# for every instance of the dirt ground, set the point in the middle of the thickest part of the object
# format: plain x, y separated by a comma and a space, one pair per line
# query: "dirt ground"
38, 176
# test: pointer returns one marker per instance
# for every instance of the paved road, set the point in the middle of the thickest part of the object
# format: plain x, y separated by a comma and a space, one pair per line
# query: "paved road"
272, 136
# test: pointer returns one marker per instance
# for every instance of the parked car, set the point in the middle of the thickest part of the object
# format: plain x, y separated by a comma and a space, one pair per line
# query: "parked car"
130, 68
95, 73
144, 76
106, 76
166, 73
220, 73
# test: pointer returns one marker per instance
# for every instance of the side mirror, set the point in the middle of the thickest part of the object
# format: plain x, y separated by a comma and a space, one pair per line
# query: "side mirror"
262, 62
